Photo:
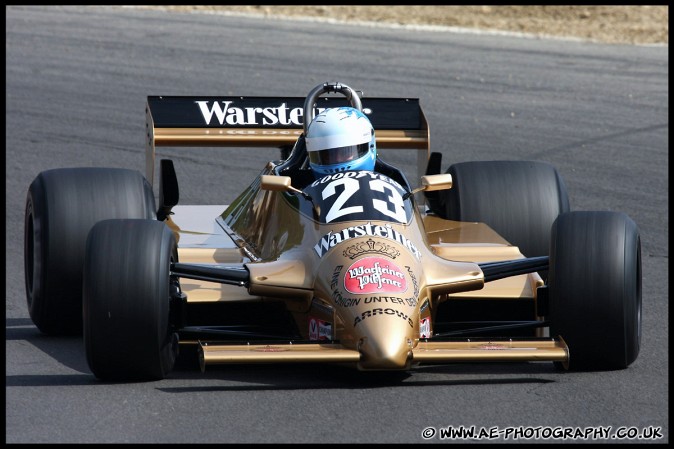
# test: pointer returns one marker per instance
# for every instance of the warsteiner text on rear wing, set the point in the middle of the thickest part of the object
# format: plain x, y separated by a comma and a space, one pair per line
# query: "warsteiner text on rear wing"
399, 123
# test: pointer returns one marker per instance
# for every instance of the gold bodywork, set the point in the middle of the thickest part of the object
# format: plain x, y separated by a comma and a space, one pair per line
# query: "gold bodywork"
296, 260
263, 231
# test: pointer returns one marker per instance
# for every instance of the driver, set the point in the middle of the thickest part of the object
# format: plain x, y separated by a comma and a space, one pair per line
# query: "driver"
340, 139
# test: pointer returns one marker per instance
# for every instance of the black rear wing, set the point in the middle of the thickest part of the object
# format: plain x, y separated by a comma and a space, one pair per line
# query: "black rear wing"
272, 122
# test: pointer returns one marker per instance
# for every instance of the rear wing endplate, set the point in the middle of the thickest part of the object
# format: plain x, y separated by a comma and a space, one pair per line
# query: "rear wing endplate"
399, 123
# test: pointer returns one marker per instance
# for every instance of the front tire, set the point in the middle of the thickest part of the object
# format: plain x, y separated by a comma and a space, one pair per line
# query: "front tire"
518, 199
62, 205
127, 287
595, 288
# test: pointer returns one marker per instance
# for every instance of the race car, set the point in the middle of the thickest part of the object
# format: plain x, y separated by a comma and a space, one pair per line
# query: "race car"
482, 262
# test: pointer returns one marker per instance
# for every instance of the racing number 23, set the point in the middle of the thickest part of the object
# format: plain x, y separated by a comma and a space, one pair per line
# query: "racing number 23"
351, 186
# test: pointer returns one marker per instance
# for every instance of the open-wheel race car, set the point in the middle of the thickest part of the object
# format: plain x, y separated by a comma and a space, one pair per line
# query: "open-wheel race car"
482, 262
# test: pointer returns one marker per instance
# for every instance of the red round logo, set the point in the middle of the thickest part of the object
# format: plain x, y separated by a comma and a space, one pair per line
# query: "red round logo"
374, 275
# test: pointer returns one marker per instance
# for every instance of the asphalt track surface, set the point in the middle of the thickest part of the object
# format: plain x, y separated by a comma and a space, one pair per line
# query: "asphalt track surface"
76, 83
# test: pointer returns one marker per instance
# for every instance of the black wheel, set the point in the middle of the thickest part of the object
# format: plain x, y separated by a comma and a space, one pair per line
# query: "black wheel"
518, 199
61, 207
595, 288
127, 288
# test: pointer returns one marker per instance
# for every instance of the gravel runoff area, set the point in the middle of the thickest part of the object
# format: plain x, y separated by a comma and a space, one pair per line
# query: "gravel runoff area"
622, 24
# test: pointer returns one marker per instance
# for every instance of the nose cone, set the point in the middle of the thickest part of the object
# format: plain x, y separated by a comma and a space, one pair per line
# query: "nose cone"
385, 355
386, 348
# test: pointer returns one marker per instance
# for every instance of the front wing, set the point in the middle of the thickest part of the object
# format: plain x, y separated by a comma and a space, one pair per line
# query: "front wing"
427, 351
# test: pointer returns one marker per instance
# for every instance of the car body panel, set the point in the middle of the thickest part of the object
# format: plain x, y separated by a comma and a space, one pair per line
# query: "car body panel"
361, 287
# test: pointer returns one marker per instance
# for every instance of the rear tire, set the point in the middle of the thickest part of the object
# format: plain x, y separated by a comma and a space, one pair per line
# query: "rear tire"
518, 199
595, 288
127, 330
62, 205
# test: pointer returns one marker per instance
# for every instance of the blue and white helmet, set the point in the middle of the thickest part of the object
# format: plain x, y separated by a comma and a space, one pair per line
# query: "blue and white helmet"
340, 139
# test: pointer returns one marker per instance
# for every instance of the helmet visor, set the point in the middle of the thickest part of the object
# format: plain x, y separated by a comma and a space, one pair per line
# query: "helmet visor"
339, 155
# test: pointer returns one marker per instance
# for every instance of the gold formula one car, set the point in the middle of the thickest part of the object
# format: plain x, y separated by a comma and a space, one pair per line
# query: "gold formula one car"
484, 262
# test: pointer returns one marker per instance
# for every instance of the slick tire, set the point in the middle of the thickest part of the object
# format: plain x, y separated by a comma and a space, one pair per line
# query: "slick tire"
595, 288
127, 286
518, 199
62, 205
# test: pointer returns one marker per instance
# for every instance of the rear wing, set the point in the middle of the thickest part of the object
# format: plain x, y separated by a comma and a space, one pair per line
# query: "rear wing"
399, 123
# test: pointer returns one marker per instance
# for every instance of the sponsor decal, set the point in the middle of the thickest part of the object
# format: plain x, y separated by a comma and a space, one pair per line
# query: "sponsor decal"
356, 175
371, 246
270, 349
335, 277
319, 329
386, 299
264, 132
386, 311
343, 301
425, 328
374, 275
414, 282
492, 347
225, 114
331, 239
